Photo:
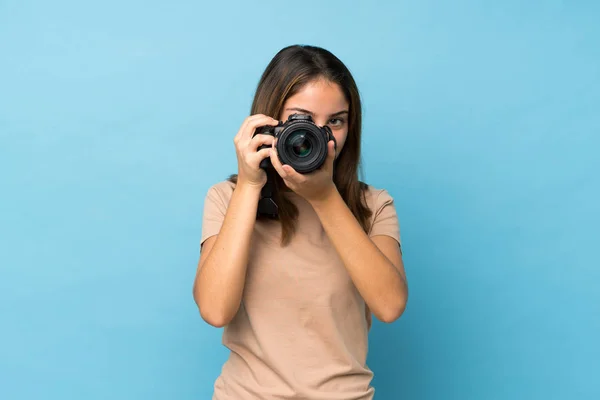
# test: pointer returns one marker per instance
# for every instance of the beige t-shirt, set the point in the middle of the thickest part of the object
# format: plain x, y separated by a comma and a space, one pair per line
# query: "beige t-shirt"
301, 330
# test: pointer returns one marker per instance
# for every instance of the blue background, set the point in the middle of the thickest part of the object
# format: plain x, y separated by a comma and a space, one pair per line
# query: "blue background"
481, 118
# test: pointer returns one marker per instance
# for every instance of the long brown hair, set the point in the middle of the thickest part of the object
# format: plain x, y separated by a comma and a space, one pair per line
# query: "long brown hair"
288, 72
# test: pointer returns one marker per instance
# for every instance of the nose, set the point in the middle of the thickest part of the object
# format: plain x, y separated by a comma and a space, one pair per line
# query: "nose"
321, 121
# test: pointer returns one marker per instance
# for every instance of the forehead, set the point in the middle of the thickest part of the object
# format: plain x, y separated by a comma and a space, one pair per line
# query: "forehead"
319, 96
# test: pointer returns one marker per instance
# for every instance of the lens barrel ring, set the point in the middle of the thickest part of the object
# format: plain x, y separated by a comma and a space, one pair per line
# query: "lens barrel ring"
318, 138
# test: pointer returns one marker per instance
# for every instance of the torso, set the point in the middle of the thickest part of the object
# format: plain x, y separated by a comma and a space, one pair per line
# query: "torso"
301, 331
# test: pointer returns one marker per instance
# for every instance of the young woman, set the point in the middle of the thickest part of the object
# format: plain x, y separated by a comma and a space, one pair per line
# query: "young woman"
295, 294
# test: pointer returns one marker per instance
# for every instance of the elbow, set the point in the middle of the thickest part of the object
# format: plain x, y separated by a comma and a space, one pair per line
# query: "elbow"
393, 311
211, 314
391, 314
217, 312
218, 320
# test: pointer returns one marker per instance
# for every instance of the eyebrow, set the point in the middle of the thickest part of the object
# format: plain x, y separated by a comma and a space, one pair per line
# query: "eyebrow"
337, 114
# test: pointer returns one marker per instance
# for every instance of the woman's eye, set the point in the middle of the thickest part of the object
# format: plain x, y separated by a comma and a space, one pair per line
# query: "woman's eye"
335, 122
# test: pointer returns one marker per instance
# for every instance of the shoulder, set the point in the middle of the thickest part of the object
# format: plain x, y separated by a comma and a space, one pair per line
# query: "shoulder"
221, 192
223, 187
384, 218
376, 197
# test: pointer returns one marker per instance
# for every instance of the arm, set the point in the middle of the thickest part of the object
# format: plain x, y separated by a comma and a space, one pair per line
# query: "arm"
374, 264
221, 272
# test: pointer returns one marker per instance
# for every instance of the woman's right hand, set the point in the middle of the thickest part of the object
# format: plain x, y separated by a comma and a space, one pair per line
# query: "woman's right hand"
248, 155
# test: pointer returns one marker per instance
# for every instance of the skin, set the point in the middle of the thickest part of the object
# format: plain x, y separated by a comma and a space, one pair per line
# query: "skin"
374, 264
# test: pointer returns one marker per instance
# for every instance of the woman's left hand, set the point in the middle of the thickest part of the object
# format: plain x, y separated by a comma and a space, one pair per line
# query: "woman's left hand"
313, 186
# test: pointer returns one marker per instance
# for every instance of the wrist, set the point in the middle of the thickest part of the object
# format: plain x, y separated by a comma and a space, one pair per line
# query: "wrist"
248, 189
324, 197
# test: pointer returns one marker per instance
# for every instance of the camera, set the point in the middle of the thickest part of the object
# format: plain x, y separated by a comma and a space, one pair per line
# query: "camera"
300, 143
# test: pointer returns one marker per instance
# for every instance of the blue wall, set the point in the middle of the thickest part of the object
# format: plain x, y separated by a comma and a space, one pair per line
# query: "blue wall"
481, 118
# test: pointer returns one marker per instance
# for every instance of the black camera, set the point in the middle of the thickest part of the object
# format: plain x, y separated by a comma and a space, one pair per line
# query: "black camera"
300, 143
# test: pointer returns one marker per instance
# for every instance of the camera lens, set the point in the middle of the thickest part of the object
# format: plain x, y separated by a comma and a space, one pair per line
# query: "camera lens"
299, 144
302, 145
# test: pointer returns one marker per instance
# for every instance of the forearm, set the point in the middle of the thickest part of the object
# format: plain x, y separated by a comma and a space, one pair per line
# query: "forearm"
221, 278
378, 281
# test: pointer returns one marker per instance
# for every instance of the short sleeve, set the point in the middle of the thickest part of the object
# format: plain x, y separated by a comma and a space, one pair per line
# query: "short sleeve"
215, 207
385, 219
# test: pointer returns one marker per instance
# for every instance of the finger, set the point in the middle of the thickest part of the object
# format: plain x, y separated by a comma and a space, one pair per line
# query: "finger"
260, 120
259, 156
293, 175
243, 127
330, 154
277, 164
247, 121
260, 140
286, 171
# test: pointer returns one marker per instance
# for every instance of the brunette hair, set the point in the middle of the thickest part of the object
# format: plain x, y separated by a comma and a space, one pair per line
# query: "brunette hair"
288, 72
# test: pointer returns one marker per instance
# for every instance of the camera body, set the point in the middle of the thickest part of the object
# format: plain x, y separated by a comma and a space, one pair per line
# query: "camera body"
300, 143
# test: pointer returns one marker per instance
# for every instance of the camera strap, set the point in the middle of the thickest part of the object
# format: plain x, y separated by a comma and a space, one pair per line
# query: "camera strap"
266, 205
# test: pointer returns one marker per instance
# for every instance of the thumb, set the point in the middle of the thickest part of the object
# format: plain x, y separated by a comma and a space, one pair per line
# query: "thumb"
330, 153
